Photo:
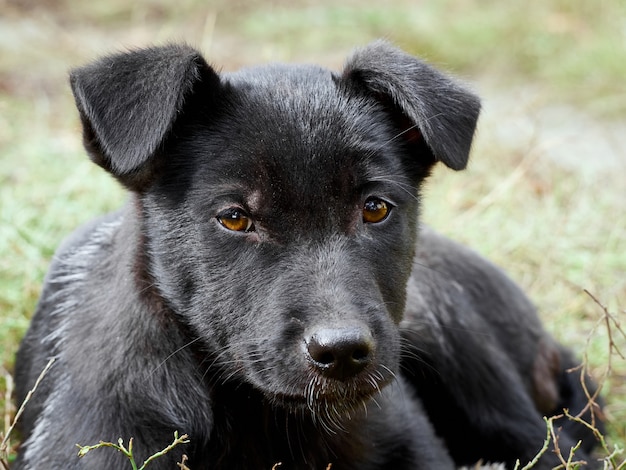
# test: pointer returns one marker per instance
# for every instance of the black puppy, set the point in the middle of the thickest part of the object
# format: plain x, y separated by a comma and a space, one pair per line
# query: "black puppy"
251, 292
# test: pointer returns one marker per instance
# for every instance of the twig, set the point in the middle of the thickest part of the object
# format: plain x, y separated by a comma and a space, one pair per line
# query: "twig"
572, 453
182, 463
611, 455
83, 450
8, 380
177, 440
119, 447
3, 444
610, 322
609, 318
544, 448
555, 439
610, 461
4, 450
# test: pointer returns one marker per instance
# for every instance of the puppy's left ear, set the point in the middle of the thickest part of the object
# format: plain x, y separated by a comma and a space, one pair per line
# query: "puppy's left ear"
443, 111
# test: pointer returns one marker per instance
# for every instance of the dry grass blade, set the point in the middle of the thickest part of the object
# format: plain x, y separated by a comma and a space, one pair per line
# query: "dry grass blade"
5, 440
6, 443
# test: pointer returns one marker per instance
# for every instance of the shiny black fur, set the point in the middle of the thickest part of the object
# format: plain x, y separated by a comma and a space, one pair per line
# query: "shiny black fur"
284, 342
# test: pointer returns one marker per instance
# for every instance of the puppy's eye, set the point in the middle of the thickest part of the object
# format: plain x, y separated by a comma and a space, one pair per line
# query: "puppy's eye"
375, 210
235, 220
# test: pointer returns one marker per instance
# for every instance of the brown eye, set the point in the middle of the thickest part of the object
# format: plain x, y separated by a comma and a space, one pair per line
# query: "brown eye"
235, 220
375, 210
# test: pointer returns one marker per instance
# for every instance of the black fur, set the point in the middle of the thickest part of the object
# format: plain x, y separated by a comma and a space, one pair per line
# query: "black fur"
487, 371
282, 342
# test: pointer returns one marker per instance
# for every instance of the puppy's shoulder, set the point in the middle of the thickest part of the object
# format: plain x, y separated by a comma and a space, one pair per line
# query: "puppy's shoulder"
85, 241
453, 263
452, 284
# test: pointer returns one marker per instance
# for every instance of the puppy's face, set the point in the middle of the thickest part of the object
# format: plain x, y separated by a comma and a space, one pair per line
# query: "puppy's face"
283, 232
278, 205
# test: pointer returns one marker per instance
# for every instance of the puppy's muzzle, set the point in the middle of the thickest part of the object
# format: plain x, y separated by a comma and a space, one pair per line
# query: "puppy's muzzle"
340, 353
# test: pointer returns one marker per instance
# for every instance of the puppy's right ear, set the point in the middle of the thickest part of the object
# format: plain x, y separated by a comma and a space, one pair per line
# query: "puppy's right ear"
129, 102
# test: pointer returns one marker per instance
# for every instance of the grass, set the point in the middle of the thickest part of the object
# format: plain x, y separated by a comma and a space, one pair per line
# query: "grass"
557, 228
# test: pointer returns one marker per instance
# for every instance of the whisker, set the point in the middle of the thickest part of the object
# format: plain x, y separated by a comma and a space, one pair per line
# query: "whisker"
408, 129
406, 187
173, 354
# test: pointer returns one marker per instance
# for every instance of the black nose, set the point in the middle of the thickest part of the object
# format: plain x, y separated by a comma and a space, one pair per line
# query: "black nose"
340, 353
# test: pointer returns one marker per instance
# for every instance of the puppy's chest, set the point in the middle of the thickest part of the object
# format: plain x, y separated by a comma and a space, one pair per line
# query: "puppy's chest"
248, 436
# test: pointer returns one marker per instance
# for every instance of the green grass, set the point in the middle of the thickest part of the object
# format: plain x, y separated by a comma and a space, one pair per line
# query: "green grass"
47, 187
576, 49
556, 229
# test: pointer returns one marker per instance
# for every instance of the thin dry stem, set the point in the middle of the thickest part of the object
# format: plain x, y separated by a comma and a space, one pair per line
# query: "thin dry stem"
610, 323
544, 448
5, 439
6, 445
182, 464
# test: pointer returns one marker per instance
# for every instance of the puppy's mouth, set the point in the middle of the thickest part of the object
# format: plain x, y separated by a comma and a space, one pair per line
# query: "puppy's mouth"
322, 397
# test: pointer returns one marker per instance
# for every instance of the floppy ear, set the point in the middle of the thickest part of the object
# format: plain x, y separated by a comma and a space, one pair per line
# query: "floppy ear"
443, 111
129, 102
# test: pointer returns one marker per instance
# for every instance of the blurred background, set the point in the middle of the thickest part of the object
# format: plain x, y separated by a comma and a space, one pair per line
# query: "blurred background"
544, 195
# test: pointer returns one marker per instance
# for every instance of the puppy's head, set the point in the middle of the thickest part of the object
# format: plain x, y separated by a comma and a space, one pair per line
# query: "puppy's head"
279, 204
